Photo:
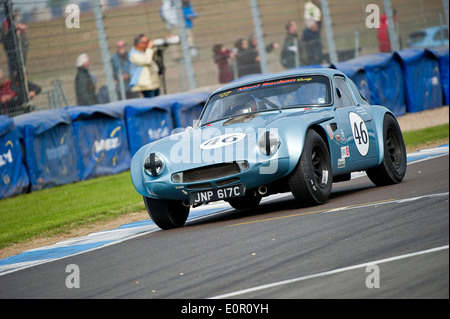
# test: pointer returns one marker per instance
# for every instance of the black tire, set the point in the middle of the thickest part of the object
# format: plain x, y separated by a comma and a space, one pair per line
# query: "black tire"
392, 169
245, 202
166, 214
312, 179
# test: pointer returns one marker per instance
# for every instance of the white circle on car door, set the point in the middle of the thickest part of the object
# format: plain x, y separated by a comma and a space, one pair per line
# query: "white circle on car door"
360, 133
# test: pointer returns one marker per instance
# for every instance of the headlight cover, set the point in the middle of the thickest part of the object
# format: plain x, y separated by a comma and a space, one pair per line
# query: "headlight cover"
154, 164
269, 143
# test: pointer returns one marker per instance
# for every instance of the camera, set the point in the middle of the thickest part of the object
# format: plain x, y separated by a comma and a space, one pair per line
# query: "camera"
164, 42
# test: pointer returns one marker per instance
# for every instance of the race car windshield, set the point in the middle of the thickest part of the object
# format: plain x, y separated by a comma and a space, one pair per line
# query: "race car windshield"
300, 91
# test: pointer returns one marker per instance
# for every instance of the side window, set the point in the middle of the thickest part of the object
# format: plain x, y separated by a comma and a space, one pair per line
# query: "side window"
342, 94
357, 93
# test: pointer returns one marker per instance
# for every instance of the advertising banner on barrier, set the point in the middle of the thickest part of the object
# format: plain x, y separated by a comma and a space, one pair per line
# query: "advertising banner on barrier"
100, 140
49, 147
147, 120
13, 176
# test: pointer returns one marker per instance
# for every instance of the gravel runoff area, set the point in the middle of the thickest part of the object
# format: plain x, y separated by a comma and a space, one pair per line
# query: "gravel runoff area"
420, 120
408, 122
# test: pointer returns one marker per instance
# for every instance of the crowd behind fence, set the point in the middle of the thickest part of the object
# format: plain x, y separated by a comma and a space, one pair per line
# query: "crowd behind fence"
45, 48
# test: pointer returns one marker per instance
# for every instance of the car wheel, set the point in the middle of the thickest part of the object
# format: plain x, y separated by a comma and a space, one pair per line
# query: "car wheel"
245, 202
393, 167
311, 181
166, 214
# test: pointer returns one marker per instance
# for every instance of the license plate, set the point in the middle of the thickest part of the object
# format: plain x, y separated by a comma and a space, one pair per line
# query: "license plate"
212, 195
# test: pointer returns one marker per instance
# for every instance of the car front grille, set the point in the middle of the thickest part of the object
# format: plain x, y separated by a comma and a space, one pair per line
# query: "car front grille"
210, 172
213, 172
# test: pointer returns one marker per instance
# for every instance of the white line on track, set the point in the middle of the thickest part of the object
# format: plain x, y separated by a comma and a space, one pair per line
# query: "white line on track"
326, 273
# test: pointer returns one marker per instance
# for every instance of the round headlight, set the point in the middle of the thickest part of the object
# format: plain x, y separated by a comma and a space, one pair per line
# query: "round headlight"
269, 142
154, 165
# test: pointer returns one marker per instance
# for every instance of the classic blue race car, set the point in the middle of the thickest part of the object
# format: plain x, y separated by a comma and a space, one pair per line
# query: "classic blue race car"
295, 131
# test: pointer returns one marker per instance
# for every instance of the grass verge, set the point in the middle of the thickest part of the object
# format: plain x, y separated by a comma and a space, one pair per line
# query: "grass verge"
60, 209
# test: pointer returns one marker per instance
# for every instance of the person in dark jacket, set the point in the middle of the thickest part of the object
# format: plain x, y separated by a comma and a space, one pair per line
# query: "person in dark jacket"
313, 44
84, 84
290, 55
247, 59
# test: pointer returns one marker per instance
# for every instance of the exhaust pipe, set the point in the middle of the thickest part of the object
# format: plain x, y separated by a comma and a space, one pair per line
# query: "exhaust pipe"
262, 190
186, 203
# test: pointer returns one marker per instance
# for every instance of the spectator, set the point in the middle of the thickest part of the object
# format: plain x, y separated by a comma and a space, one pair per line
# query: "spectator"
384, 44
312, 12
84, 82
8, 98
247, 59
313, 44
189, 16
290, 55
121, 68
222, 57
7, 38
143, 69
253, 44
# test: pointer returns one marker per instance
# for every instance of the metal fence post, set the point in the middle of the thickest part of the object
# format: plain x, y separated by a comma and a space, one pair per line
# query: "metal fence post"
259, 36
185, 46
393, 35
445, 5
103, 42
328, 23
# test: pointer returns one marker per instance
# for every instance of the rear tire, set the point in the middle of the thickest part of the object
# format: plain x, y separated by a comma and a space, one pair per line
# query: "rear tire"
311, 181
166, 214
392, 169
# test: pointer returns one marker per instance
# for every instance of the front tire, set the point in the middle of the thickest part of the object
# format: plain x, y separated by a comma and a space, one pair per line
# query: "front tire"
166, 214
392, 169
311, 181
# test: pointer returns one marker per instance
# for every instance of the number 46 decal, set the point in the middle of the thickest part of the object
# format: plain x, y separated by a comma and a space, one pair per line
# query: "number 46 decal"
360, 133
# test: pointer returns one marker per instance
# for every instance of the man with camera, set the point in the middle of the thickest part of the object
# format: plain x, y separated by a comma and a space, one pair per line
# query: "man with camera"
144, 70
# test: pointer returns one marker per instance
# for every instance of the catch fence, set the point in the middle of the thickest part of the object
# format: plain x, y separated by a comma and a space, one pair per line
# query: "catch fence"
41, 39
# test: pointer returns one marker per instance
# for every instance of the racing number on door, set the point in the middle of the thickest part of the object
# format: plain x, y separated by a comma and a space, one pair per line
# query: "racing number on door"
360, 134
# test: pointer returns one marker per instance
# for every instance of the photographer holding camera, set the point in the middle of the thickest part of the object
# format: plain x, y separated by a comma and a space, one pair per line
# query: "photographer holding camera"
144, 71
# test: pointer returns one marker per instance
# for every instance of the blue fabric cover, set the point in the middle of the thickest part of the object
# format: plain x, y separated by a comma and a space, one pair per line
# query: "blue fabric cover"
147, 120
442, 55
13, 175
49, 147
186, 107
422, 79
100, 140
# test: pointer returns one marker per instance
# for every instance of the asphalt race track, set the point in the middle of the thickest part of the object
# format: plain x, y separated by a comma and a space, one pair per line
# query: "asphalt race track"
366, 242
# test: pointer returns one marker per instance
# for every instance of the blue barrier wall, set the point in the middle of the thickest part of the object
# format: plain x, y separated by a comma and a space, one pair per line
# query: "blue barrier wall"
442, 55
47, 139
422, 80
101, 141
13, 176
147, 120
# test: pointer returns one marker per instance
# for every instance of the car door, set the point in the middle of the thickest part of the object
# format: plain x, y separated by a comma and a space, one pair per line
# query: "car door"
360, 149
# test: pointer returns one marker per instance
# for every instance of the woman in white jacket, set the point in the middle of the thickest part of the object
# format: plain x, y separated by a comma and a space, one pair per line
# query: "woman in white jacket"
143, 69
